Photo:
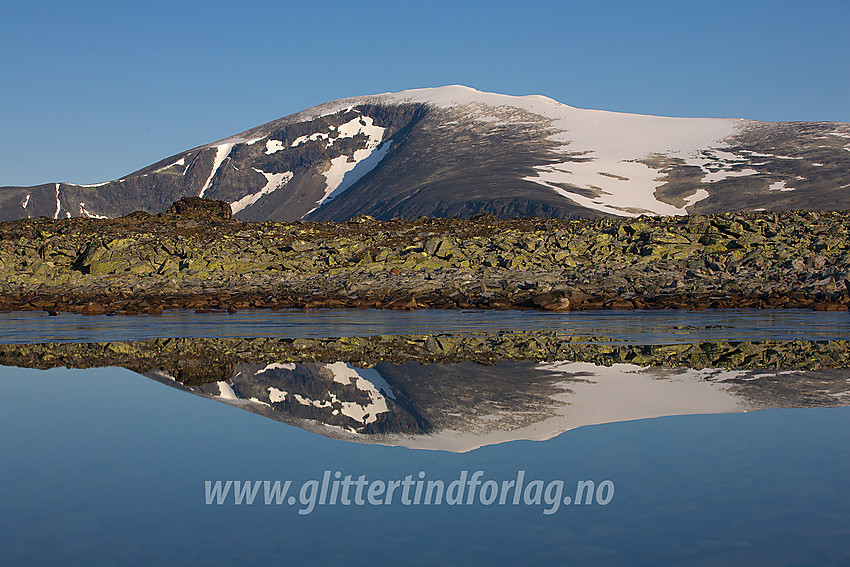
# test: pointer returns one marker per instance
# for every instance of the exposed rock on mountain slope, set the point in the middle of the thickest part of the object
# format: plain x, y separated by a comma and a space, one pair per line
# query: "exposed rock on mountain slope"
455, 151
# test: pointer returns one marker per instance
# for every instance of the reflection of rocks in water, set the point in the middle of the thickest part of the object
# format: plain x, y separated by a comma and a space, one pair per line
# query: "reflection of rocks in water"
460, 391
194, 358
461, 406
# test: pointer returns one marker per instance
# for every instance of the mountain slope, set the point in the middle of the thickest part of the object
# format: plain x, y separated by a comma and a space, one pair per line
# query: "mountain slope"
456, 151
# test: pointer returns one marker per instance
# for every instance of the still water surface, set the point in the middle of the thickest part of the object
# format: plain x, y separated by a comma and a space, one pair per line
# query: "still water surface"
647, 327
106, 466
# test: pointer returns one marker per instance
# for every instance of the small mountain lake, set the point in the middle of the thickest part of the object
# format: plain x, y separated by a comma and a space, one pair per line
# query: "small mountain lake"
649, 327
586, 438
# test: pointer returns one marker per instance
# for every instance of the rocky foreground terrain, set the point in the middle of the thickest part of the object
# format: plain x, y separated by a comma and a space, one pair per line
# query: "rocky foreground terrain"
195, 256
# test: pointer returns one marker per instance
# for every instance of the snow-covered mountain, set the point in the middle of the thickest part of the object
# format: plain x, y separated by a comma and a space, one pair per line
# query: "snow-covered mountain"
457, 151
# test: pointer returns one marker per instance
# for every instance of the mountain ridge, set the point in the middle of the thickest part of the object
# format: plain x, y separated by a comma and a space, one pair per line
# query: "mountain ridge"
456, 151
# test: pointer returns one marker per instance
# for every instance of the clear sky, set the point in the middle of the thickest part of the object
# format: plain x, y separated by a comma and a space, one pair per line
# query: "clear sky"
92, 91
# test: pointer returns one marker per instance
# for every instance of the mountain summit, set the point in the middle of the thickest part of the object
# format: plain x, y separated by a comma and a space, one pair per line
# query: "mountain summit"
456, 151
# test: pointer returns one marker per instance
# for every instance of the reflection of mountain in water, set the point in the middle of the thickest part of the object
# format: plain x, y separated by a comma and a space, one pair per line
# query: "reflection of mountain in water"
461, 406
461, 391
349, 399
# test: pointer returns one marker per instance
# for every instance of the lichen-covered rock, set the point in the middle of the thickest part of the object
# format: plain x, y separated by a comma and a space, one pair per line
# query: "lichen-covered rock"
759, 259
484, 348
198, 208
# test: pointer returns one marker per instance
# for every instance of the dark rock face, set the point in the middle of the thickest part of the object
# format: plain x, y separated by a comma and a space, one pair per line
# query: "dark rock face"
198, 208
468, 169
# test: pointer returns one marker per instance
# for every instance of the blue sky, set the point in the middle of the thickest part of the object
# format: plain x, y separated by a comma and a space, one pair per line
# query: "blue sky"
95, 90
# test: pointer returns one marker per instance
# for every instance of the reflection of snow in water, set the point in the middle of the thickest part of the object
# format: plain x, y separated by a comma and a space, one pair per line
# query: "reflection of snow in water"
347, 374
570, 395
366, 380
226, 392
594, 394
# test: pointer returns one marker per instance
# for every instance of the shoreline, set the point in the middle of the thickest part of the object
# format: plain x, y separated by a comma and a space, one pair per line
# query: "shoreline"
102, 304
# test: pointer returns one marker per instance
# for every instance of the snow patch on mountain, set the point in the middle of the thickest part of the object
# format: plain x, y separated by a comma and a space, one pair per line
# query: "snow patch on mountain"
460, 95
718, 165
780, 186
221, 153
85, 213
95, 184
353, 172
180, 162
344, 171
274, 181
757, 154
360, 125
612, 148
273, 146
307, 138
58, 203
713, 176
699, 195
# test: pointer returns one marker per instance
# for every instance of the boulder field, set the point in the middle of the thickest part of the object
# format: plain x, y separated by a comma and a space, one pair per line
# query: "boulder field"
196, 256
